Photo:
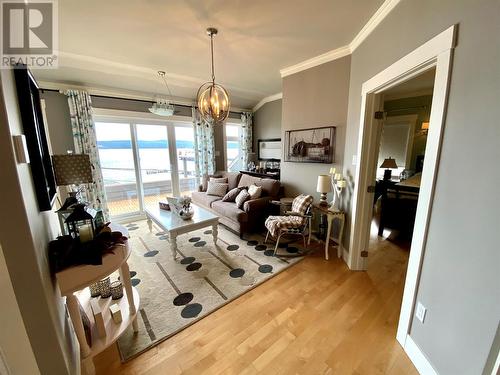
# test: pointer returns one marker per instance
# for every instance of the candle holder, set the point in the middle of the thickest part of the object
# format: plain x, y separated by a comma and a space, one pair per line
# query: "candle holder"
105, 287
116, 290
95, 290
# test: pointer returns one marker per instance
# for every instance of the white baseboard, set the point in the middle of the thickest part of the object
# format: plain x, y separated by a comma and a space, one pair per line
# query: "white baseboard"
418, 358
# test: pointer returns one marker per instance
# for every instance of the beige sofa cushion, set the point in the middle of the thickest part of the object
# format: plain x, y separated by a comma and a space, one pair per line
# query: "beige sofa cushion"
203, 199
269, 186
229, 210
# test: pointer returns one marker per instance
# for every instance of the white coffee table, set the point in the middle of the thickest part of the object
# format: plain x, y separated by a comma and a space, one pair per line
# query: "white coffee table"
173, 225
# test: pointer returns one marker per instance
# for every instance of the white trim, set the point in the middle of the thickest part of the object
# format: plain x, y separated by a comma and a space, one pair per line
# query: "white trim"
372, 23
315, 61
267, 99
437, 52
348, 49
418, 358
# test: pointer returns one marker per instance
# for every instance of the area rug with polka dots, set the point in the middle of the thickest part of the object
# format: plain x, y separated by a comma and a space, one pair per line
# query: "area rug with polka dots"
176, 293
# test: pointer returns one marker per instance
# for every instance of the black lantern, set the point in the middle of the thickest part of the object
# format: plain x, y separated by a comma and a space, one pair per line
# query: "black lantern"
81, 223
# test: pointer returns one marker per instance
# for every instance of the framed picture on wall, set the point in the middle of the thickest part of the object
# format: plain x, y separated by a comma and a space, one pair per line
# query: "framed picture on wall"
316, 145
31, 115
269, 149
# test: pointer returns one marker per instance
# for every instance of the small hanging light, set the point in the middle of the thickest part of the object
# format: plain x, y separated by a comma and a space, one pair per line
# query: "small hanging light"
163, 107
213, 99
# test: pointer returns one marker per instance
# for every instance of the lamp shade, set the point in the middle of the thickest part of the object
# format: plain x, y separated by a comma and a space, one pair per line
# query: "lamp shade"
72, 169
389, 163
425, 126
324, 184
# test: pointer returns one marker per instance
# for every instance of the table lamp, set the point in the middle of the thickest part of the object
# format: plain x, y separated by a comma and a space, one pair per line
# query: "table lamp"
323, 187
388, 164
72, 169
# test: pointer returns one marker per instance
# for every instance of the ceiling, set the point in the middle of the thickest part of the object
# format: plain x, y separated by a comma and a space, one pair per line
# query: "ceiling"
118, 44
419, 85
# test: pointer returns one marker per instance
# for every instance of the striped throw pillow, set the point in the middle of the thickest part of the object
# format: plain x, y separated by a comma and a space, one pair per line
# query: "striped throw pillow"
218, 189
242, 197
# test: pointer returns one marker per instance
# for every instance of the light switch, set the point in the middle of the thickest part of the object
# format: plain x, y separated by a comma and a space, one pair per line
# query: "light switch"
354, 159
21, 149
420, 313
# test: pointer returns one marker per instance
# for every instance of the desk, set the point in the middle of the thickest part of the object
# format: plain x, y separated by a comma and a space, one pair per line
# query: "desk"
332, 214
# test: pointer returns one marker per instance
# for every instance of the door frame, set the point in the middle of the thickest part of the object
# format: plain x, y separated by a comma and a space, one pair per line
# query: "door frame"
436, 53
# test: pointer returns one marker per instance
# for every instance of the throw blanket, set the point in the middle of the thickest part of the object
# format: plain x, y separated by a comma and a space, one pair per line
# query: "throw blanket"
277, 223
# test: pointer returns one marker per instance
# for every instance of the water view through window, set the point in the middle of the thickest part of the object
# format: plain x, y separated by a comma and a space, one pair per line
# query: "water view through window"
140, 167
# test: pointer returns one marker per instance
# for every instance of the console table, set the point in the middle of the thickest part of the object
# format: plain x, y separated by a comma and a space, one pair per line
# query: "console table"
73, 283
275, 175
332, 214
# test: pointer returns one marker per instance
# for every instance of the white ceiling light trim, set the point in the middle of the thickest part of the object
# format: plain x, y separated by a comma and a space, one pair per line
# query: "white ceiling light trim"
267, 99
346, 50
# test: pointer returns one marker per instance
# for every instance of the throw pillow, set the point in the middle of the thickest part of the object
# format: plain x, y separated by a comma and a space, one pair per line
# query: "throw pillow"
231, 195
217, 188
254, 191
219, 179
241, 198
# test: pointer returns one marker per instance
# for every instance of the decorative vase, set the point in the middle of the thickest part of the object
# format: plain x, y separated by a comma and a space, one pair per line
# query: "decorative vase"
186, 213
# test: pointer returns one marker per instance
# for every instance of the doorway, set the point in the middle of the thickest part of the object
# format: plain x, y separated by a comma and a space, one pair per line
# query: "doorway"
434, 54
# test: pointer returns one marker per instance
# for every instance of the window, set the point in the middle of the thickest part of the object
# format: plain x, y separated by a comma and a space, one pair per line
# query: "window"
233, 149
144, 161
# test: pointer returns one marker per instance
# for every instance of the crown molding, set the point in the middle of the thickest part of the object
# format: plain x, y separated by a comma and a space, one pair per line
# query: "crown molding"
373, 22
315, 61
348, 49
267, 99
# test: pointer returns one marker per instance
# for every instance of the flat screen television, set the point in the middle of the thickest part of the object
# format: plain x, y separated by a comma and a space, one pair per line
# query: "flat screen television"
28, 94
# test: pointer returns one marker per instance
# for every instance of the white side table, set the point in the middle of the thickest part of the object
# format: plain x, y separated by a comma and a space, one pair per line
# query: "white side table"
332, 214
73, 284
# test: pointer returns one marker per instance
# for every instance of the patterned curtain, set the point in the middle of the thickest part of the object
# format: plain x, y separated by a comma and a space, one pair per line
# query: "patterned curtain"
204, 145
84, 138
246, 138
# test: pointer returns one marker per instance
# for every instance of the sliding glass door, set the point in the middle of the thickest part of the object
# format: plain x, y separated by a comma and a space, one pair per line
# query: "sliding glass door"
116, 155
154, 163
143, 163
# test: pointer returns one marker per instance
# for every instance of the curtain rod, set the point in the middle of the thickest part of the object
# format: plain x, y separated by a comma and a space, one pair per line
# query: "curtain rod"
131, 99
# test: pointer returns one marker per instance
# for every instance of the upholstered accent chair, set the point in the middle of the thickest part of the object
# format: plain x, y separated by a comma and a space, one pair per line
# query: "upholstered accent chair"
294, 222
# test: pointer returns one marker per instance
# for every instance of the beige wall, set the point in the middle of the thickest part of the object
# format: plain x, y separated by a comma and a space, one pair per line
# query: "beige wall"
460, 278
312, 98
267, 122
25, 233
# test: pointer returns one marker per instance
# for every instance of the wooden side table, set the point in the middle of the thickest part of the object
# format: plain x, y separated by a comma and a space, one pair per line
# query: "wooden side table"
332, 214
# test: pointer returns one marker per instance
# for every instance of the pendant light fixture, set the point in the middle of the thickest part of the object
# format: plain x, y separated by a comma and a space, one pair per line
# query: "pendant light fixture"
213, 100
163, 107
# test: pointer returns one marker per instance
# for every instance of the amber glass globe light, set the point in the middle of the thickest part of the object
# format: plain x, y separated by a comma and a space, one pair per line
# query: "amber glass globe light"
213, 99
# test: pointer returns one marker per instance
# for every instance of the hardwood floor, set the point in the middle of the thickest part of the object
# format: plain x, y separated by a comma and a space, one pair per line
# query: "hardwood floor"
317, 317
